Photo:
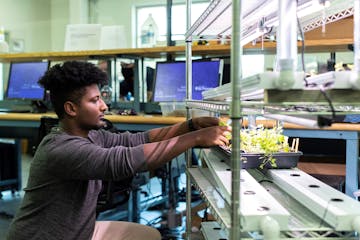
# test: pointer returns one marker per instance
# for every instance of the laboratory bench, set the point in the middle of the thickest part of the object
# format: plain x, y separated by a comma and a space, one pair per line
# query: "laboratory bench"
25, 125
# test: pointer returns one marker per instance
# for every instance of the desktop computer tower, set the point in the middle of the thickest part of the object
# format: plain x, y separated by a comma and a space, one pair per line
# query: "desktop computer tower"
10, 165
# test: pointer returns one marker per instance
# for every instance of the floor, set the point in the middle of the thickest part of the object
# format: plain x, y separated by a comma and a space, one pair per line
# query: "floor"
10, 202
155, 217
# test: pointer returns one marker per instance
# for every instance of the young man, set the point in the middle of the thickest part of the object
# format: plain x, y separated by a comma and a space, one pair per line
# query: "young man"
70, 162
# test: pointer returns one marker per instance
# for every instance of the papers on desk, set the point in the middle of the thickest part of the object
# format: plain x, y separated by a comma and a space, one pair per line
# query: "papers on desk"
112, 37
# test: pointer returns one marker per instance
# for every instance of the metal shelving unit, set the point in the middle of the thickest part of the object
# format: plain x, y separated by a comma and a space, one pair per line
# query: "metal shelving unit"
269, 204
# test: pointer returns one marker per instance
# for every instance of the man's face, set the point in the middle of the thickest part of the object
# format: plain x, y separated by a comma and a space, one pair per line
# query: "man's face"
90, 112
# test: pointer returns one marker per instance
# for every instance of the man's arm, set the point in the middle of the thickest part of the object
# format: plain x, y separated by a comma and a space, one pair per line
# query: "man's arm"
158, 153
160, 134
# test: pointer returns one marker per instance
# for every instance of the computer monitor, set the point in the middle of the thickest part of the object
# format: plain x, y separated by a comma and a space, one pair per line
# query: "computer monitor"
170, 79
205, 75
170, 82
23, 80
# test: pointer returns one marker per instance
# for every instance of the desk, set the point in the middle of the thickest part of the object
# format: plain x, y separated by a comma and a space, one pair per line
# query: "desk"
20, 125
23, 125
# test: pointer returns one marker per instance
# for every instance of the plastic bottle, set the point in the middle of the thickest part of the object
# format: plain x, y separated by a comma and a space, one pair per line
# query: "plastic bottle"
106, 94
149, 32
4, 46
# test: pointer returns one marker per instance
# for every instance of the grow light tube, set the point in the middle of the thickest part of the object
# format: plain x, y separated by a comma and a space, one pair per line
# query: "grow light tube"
295, 120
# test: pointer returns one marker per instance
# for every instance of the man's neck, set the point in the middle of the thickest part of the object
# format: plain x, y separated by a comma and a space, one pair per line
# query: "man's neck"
73, 129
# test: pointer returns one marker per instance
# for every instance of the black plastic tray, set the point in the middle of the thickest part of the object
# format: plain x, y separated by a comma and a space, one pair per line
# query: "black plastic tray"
284, 160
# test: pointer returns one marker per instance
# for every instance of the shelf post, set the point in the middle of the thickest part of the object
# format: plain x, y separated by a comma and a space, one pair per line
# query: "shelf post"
235, 114
188, 155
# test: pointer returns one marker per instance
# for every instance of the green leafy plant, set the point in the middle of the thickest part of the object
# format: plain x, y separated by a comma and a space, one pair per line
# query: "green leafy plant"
264, 141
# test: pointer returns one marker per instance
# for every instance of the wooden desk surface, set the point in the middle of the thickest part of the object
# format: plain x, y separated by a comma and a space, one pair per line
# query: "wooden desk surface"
334, 127
158, 119
146, 119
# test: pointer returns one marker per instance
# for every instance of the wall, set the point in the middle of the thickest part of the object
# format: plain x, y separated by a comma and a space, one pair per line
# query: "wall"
59, 12
27, 21
41, 23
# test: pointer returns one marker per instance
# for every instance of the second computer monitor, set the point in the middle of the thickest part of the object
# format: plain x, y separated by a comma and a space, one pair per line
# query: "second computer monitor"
170, 79
23, 80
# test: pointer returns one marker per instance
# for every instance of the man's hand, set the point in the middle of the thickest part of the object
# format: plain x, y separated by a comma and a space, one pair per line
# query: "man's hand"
211, 136
204, 122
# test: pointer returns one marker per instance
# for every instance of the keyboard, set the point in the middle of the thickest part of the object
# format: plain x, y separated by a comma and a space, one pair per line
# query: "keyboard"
15, 110
15, 107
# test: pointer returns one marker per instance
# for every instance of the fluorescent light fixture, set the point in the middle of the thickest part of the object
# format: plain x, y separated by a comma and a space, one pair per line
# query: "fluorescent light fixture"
295, 120
252, 87
333, 79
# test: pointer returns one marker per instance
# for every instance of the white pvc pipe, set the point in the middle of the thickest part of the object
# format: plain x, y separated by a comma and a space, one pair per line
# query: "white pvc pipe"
310, 123
270, 228
356, 224
286, 49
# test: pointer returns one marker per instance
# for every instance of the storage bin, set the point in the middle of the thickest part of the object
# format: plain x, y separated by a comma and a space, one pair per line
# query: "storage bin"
174, 109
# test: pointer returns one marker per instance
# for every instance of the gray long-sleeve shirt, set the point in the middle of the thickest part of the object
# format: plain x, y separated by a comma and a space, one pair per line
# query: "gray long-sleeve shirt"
65, 180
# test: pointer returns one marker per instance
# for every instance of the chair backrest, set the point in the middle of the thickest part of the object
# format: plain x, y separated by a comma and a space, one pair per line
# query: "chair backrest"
46, 123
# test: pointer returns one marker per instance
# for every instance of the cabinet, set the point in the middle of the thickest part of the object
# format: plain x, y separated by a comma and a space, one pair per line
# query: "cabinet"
273, 203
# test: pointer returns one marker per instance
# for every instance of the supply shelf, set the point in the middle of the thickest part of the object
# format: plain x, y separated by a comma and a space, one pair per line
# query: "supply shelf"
259, 90
327, 212
273, 203
286, 108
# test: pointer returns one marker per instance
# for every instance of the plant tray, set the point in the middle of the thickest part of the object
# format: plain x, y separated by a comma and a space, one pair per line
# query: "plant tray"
284, 160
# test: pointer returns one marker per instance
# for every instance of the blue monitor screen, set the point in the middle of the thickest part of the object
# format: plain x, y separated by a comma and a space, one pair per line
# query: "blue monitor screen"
170, 79
23, 80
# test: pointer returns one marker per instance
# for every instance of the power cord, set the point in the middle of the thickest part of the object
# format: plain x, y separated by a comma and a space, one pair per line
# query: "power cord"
322, 121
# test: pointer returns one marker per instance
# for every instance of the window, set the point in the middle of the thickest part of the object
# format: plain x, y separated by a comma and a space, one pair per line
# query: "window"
158, 13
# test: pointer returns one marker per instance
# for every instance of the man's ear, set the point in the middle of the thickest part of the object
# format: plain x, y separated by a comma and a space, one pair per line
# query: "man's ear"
70, 108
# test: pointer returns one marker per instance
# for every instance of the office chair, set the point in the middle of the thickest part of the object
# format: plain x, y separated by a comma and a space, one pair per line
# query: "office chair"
113, 193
